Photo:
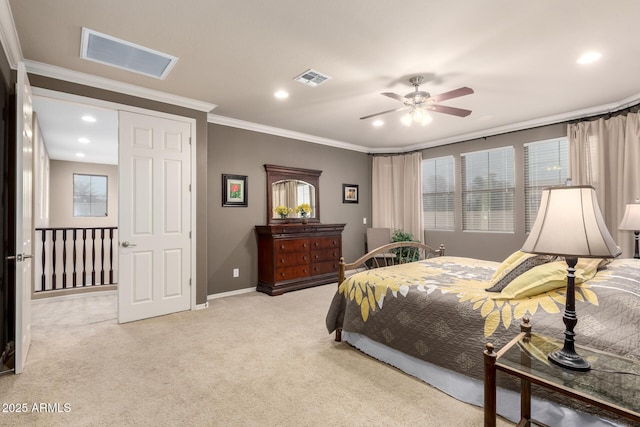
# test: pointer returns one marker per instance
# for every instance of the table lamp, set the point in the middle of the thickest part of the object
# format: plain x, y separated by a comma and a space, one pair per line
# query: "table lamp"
570, 224
631, 221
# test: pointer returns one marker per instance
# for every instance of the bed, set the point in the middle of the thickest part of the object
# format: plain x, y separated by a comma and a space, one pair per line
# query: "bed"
432, 318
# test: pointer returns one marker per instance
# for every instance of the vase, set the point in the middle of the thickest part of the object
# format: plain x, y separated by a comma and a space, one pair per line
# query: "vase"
305, 220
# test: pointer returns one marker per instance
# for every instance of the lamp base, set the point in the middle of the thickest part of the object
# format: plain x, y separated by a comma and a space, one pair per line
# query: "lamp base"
568, 360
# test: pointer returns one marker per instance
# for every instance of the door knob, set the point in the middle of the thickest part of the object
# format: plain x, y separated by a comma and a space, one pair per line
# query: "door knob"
127, 244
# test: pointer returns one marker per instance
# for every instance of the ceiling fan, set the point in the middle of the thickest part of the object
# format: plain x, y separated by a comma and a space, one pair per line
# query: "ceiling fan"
421, 102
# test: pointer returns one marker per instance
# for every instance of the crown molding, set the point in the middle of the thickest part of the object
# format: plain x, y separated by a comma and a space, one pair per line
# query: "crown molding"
9, 35
530, 124
241, 124
65, 74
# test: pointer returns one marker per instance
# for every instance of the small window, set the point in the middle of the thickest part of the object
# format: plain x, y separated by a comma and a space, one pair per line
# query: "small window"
89, 195
438, 193
546, 163
488, 187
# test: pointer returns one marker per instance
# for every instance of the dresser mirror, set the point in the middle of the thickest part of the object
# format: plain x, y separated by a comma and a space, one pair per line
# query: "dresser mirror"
288, 188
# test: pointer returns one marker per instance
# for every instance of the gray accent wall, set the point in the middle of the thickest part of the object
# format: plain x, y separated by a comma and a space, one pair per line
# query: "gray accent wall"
231, 237
485, 245
225, 236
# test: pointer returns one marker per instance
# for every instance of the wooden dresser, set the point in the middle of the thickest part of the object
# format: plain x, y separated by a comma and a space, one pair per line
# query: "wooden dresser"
297, 256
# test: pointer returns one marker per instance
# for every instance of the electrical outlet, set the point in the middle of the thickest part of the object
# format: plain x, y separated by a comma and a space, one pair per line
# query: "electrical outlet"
236, 272
364, 221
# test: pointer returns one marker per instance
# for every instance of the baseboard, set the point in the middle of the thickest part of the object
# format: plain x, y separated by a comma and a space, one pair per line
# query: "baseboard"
231, 293
63, 294
201, 306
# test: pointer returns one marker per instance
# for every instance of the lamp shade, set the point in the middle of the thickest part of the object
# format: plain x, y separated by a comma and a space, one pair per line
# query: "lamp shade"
631, 218
570, 224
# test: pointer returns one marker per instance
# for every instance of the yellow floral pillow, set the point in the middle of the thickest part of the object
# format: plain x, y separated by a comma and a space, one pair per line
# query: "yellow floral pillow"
546, 277
515, 265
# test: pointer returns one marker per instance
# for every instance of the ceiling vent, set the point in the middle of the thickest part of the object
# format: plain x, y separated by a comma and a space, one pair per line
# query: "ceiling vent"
122, 54
312, 78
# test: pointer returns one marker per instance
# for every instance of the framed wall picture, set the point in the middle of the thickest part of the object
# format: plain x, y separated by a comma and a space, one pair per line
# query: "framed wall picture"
234, 190
349, 193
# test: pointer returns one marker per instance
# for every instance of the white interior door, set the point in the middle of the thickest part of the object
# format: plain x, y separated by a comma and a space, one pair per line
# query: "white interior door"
154, 216
24, 216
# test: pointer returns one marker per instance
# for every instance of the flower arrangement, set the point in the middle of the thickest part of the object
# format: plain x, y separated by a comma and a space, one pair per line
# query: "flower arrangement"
283, 211
303, 209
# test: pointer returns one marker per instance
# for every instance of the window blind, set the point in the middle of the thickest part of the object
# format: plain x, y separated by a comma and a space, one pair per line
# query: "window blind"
546, 163
438, 193
488, 186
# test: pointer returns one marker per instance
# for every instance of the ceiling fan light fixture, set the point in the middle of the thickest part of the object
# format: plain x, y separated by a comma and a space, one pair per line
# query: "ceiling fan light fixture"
417, 115
426, 120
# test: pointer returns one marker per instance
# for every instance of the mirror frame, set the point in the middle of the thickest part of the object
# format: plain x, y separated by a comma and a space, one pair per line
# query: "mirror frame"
278, 173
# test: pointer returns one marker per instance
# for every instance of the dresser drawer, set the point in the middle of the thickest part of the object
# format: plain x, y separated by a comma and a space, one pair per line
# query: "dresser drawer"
284, 246
296, 256
290, 273
326, 242
325, 255
286, 259
325, 267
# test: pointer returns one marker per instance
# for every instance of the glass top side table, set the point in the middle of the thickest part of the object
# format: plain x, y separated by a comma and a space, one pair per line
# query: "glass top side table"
613, 383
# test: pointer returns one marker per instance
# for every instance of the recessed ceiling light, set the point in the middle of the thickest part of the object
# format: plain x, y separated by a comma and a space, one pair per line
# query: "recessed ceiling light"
281, 94
378, 123
589, 57
89, 119
79, 154
83, 140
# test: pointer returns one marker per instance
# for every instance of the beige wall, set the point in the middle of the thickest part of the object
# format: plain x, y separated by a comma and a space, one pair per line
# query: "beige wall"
41, 176
61, 194
231, 238
484, 245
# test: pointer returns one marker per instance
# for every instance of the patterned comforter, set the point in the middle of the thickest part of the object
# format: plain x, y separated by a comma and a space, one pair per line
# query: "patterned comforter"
438, 310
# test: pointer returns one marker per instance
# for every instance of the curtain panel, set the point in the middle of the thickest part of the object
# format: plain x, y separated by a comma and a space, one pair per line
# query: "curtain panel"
605, 153
397, 193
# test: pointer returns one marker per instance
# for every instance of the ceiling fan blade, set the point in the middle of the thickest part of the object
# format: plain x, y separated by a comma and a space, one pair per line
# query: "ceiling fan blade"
449, 110
394, 96
383, 112
451, 94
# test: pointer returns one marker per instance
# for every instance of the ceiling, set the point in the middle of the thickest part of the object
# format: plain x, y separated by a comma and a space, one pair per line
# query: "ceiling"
519, 58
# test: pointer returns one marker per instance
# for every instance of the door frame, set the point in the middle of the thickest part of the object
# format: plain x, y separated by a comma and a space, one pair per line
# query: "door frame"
36, 91
23, 262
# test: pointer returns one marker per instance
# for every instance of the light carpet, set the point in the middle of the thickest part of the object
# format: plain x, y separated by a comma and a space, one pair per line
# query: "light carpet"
246, 360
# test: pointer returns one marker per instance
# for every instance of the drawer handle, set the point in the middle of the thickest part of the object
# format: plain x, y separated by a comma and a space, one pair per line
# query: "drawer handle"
304, 245
305, 270
282, 260
304, 258
335, 242
281, 246
316, 256
316, 244
335, 254
282, 274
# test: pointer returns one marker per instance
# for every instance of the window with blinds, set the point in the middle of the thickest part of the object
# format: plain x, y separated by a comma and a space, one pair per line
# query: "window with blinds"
546, 163
438, 193
488, 186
